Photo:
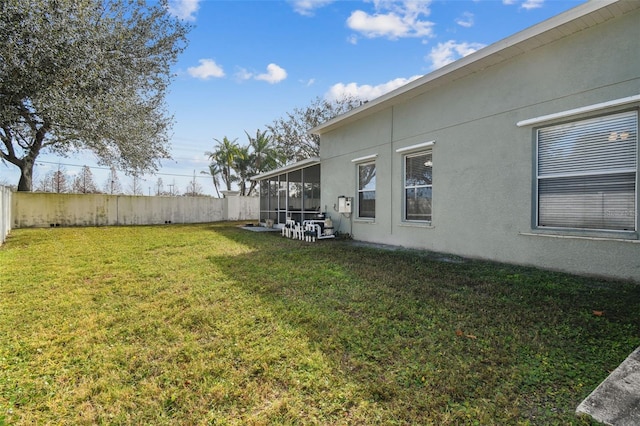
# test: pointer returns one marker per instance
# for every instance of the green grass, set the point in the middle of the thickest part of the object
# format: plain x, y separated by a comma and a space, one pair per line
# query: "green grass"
211, 324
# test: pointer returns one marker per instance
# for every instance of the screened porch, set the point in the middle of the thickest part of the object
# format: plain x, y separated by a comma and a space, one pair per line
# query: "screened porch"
290, 192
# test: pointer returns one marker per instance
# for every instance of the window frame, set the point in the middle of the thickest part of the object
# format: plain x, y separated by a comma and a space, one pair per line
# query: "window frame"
577, 122
405, 158
365, 162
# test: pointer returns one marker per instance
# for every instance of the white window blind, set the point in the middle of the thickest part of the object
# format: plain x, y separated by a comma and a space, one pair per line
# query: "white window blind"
418, 182
586, 173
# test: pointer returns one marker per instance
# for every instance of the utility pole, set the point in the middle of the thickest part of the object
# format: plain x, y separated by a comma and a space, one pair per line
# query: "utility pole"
58, 180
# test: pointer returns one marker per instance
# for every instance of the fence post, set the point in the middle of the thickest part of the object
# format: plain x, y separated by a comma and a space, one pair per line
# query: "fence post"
5, 212
231, 206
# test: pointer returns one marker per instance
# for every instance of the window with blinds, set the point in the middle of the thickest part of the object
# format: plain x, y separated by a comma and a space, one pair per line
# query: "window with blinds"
587, 174
418, 181
367, 190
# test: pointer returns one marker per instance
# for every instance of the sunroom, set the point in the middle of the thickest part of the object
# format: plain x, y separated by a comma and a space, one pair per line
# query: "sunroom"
291, 192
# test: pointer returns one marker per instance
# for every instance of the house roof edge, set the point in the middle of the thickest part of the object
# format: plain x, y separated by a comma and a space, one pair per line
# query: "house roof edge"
490, 55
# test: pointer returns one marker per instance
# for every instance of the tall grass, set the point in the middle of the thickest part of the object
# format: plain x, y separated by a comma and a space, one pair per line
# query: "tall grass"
211, 324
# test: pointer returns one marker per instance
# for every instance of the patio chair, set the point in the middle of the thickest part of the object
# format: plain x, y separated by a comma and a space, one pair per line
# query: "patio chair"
311, 232
297, 232
287, 229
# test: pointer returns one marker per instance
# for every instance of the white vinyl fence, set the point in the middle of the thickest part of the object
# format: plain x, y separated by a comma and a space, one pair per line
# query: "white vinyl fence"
37, 209
5, 212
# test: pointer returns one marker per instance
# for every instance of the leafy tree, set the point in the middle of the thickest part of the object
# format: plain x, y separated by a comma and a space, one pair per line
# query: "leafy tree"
86, 75
226, 155
83, 183
290, 133
112, 184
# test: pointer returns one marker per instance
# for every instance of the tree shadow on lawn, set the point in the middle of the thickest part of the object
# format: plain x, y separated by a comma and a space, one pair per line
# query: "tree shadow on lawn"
455, 342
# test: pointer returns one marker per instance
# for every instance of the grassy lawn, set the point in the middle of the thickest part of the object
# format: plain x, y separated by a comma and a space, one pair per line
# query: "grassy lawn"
211, 324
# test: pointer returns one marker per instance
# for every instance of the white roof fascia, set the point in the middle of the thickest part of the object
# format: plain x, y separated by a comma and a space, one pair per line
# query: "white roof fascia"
576, 111
289, 168
528, 39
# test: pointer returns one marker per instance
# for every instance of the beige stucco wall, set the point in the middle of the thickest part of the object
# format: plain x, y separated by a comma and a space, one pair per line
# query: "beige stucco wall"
46, 209
483, 162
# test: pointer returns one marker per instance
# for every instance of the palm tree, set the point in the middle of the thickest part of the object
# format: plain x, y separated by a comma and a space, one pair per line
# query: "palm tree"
242, 166
264, 156
224, 156
214, 172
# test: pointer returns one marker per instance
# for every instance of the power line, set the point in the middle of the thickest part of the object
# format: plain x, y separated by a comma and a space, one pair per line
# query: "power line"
109, 168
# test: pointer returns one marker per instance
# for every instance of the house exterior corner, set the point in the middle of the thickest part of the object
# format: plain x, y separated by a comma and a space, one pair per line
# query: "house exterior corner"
526, 155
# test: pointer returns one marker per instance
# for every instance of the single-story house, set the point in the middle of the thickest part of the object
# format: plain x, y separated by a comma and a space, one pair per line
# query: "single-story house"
523, 152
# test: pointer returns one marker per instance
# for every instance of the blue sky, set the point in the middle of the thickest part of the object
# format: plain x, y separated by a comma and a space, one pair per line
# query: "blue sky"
250, 62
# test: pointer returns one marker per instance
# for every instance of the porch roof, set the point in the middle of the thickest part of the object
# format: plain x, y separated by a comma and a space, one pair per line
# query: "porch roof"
289, 168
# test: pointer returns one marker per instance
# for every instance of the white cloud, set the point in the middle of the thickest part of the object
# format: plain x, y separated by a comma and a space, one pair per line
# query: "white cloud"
308, 7
184, 9
274, 74
207, 69
352, 39
377, 25
393, 20
532, 4
527, 4
466, 20
242, 74
447, 52
366, 92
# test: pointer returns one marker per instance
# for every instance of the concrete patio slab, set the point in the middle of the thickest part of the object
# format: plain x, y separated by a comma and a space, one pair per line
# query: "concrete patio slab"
254, 228
616, 401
